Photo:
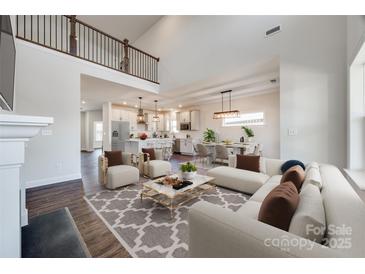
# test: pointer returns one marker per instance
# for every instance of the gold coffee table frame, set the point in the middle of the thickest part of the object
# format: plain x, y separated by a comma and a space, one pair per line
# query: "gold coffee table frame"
171, 198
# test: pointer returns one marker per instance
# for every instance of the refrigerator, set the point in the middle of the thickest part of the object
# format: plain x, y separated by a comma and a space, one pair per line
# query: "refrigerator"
120, 134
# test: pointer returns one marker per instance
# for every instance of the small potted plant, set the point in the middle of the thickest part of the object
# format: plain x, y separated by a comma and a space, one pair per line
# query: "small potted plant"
188, 171
249, 133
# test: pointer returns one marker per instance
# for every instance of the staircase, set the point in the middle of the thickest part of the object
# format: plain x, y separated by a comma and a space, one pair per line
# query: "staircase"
71, 36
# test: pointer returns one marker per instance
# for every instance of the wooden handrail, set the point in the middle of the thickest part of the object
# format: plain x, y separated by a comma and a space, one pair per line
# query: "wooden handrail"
112, 37
69, 35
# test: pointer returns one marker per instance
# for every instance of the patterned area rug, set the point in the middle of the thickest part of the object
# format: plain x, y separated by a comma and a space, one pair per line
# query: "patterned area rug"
145, 228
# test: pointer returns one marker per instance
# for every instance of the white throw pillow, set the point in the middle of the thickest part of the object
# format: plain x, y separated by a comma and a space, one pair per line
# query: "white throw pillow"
313, 176
262, 165
309, 220
311, 165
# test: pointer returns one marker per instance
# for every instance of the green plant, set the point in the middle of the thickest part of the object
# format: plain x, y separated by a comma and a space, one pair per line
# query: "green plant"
248, 131
209, 135
188, 167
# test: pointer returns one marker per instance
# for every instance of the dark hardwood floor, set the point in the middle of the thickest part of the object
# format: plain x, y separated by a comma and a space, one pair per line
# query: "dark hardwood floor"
99, 240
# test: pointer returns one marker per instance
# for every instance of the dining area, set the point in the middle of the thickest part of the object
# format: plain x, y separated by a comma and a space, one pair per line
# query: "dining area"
213, 153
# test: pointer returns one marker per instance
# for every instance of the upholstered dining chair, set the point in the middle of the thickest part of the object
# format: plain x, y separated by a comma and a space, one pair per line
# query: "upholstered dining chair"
221, 153
203, 153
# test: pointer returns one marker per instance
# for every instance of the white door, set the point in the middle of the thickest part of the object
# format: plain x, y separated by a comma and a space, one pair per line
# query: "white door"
98, 134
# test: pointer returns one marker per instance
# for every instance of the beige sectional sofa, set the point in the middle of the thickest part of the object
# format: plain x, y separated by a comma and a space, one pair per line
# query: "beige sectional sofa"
218, 232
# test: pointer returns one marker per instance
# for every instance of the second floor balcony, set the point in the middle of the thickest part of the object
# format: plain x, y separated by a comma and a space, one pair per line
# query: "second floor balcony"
71, 36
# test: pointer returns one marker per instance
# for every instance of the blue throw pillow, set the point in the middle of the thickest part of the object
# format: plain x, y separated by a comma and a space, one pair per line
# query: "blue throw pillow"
291, 163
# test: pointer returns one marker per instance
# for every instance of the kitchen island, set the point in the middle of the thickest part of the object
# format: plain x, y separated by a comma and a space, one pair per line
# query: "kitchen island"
135, 145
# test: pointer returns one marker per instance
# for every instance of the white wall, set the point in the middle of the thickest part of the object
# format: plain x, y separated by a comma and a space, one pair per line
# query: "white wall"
312, 52
88, 118
48, 84
268, 134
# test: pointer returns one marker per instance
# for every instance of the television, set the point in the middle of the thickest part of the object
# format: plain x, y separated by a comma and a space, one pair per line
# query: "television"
7, 64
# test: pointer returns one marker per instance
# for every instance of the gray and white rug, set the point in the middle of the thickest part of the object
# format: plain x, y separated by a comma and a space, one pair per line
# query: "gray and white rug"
145, 228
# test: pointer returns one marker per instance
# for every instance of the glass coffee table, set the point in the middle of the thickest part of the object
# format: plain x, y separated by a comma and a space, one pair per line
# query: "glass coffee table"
171, 198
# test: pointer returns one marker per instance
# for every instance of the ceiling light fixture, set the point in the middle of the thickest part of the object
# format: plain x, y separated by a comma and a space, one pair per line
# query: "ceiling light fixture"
124, 103
229, 113
180, 106
140, 115
155, 117
83, 102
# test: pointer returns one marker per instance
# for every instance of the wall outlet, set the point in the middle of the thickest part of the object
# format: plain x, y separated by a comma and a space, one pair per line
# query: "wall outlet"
47, 132
292, 131
58, 166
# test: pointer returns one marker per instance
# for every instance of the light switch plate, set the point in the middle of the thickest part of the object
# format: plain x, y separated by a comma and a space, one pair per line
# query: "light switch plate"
47, 132
292, 131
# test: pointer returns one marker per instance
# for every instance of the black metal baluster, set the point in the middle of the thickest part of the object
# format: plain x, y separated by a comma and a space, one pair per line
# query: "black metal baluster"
44, 30
56, 29
31, 27
24, 19
37, 28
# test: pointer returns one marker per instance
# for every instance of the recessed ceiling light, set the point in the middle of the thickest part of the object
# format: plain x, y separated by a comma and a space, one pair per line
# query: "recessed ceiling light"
159, 109
135, 106
124, 103
180, 106
83, 102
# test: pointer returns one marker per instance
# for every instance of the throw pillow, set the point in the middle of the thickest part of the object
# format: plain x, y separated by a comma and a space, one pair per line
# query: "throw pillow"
309, 220
151, 152
114, 157
279, 206
291, 163
247, 162
295, 175
313, 176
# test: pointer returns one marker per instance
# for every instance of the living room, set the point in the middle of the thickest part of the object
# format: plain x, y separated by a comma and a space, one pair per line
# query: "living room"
162, 141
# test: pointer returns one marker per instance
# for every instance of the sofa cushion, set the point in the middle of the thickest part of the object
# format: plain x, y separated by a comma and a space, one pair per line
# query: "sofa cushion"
272, 166
250, 209
157, 168
313, 176
295, 175
122, 175
237, 179
263, 191
151, 152
291, 163
251, 163
279, 206
114, 158
309, 220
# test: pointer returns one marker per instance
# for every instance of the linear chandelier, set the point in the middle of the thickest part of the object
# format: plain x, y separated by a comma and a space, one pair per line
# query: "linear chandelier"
228, 113
140, 115
155, 117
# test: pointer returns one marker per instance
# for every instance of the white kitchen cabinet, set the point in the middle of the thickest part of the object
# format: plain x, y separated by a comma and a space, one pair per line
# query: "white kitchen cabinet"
186, 147
195, 120
161, 123
185, 117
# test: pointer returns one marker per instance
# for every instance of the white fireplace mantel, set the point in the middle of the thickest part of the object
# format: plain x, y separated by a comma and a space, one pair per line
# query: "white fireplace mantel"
15, 130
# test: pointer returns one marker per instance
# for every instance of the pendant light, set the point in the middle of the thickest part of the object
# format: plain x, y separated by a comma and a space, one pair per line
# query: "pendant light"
140, 115
229, 113
155, 117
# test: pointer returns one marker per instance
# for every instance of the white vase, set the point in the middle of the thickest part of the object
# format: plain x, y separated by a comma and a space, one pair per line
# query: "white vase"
188, 175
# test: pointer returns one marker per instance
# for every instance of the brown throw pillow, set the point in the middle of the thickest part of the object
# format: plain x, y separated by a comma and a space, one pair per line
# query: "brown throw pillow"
295, 175
279, 206
114, 157
151, 152
246, 162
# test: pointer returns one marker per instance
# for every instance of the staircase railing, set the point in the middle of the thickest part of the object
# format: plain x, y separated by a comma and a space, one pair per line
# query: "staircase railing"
71, 36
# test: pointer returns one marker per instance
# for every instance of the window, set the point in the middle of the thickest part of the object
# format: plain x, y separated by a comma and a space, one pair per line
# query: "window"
98, 131
245, 119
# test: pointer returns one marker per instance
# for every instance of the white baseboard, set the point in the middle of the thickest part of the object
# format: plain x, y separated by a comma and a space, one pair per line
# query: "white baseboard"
52, 180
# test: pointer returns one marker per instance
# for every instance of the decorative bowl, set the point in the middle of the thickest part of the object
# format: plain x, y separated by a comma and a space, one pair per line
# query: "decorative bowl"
188, 175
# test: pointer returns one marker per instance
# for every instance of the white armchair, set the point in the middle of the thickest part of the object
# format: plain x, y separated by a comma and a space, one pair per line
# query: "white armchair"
154, 168
119, 175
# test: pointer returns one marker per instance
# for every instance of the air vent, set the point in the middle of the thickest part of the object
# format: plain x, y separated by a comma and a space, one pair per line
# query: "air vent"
273, 31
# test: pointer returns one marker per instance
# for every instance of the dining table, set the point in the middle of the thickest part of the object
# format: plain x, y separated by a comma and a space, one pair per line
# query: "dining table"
237, 148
